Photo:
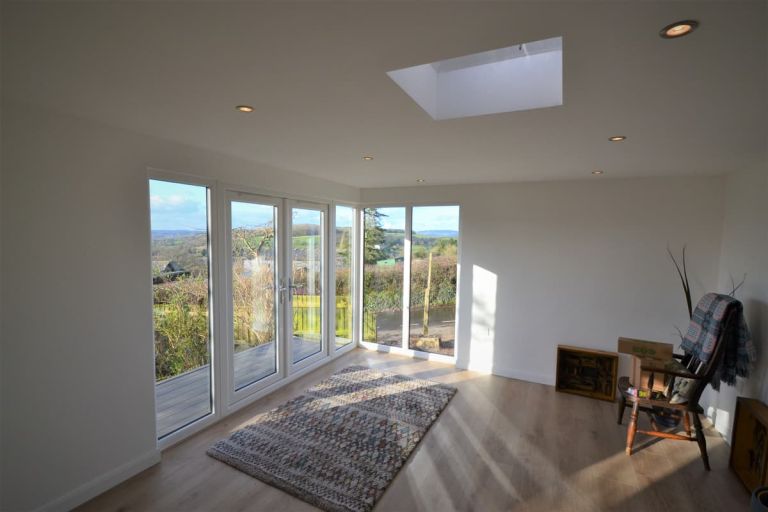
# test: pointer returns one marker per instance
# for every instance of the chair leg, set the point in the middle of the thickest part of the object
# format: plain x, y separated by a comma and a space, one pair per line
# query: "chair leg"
701, 440
632, 428
622, 406
687, 423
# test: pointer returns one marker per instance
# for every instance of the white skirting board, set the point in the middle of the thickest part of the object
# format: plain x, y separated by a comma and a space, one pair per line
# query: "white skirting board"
102, 483
537, 378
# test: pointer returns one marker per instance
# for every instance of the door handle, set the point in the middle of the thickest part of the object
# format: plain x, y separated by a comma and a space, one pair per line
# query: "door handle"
287, 289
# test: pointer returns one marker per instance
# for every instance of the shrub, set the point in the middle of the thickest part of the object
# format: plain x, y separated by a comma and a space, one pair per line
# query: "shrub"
181, 326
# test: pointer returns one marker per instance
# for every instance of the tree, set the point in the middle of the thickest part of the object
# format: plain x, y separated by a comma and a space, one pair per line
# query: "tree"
445, 247
374, 235
343, 250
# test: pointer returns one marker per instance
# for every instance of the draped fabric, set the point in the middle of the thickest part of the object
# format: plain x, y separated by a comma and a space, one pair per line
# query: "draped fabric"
708, 324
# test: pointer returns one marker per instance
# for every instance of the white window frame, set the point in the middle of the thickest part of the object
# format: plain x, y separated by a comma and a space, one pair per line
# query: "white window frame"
325, 293
353, 276
224, 400
404, 349
214, 302
227, 363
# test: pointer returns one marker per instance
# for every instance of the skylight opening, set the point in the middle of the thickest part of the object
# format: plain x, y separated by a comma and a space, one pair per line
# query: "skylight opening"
520, 77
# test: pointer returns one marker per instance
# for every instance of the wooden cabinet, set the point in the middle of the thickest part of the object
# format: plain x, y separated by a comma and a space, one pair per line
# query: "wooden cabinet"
586, 372
750, 440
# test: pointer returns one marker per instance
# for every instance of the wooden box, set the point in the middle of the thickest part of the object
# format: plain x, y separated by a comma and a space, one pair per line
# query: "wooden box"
586, 372
749, 448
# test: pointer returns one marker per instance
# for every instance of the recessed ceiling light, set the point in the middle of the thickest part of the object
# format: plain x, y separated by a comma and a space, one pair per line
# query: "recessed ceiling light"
420, 180
678, 29
367, 158
247, 109
617, 138
598, 173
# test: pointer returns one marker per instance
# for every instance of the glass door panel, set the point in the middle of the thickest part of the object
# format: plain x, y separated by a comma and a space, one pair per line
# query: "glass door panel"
383, 257
179, 216
253, 241
434, 251
344, 274
305, 285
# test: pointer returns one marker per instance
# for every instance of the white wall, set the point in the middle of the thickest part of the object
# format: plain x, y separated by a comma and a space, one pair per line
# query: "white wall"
745, 250
542, 264
568, 262
77, 374
577, 263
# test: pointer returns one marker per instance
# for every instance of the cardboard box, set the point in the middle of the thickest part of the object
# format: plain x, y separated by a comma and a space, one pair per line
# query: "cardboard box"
643, 348
647, 353
654, 381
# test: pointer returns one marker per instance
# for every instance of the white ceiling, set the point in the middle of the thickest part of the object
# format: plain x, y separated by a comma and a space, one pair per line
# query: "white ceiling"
316, 74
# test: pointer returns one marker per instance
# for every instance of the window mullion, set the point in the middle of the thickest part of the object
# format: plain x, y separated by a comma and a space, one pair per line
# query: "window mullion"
407, 277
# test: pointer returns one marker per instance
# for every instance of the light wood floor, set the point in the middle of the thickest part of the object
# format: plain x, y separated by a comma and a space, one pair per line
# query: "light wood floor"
501, 444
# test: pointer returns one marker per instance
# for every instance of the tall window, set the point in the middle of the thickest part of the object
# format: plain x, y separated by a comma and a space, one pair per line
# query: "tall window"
181, 303
434, 251
345, 234
429, 271
383, 255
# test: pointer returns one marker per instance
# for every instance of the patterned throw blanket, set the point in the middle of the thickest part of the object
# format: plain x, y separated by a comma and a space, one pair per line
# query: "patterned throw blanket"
704, 330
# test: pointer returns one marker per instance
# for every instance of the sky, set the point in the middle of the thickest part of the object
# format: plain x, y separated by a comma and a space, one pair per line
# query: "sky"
251, 215
425, 218
175, 206
345, 216
430, 218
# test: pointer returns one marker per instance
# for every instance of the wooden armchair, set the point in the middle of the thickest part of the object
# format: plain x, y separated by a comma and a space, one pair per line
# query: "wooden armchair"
684, 366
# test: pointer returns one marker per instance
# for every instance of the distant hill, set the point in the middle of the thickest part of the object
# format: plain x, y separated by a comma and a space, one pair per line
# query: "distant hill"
158, 234
305, 229
439, 232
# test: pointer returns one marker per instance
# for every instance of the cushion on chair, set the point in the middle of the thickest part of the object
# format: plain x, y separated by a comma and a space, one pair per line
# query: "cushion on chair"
682, 390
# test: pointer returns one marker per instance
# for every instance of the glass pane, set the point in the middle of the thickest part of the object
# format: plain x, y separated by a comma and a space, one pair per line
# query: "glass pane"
306, 281
181, 290
253, 292
434, 246
345, 244
384, 242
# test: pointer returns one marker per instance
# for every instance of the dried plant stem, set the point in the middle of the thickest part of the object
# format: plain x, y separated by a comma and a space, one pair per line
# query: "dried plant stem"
683, 273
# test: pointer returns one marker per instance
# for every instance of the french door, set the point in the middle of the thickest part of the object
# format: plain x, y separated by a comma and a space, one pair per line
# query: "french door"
253, 357
240, 284
305, 282
276, 278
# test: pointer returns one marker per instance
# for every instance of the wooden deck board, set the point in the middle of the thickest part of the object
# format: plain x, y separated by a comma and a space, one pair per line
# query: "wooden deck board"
186, 397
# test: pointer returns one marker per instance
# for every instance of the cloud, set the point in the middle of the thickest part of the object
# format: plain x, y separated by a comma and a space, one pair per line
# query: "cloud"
173, 203
177, 212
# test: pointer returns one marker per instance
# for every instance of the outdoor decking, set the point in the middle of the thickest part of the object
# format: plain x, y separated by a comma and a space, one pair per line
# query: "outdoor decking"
187, 397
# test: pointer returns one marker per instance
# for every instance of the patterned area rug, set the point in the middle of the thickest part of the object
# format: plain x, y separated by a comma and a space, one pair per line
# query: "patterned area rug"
339, 445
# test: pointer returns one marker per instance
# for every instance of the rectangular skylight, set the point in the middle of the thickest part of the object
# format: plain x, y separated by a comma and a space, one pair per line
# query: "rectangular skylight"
520, 77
